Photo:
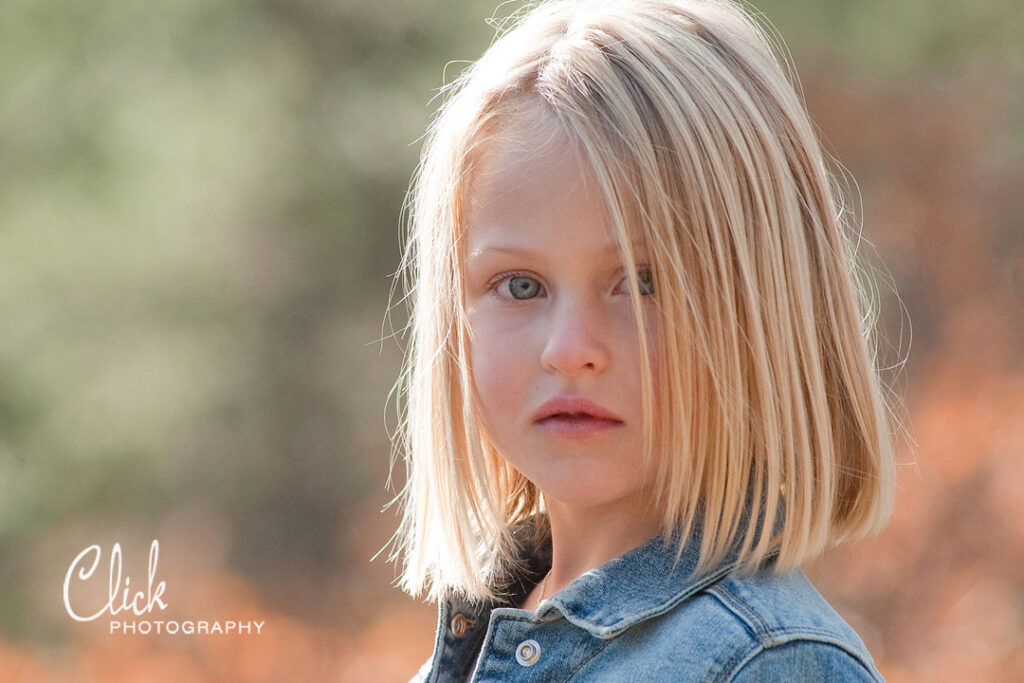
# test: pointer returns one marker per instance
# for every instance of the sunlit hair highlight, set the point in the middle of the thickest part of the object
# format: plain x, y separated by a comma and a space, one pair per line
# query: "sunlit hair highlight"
772, 436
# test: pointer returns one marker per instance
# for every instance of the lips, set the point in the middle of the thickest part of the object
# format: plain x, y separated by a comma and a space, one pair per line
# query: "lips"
574, 409
576, 419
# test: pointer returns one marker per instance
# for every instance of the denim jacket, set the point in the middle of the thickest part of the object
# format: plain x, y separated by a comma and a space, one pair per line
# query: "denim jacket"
636, 618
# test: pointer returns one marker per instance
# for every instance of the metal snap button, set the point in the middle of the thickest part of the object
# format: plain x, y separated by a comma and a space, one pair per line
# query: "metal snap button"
528, 652
461, 624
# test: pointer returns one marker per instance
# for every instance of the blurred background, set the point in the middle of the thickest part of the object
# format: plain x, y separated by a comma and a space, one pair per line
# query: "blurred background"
199, 218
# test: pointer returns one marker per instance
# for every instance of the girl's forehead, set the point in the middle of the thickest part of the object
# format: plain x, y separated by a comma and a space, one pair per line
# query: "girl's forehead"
528, 202
525, 145
531, 181
515, 183
508, 170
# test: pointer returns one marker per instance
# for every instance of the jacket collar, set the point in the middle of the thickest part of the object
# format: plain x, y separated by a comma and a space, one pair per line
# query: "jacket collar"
642, 583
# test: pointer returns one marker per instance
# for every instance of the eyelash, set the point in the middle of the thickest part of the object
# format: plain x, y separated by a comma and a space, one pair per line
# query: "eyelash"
498, 280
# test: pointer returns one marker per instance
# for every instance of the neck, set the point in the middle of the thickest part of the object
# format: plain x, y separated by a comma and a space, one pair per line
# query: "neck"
585, 537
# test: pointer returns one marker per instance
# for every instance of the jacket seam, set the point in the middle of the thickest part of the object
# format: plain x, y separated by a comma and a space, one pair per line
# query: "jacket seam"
770, 637
744, 611
735, 664
832, 642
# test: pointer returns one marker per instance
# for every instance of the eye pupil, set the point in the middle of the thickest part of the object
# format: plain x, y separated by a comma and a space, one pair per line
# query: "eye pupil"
523, 287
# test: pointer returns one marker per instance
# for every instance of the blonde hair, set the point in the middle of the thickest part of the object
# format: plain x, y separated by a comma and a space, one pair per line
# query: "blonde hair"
772, 438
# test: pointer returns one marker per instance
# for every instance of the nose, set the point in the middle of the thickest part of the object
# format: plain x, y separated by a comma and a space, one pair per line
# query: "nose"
576, 341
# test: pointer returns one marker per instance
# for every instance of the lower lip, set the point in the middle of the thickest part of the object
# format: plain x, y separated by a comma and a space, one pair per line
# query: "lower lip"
578, 427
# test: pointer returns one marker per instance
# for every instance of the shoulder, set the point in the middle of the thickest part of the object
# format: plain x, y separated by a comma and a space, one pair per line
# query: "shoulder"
805, 660
775, 610
766, 627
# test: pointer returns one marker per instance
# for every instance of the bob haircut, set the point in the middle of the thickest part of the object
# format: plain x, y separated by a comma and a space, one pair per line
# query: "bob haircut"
769, 396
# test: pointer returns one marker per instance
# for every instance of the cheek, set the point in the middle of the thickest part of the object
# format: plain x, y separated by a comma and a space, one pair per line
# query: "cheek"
653, 352
630, 342
651, 329
498, 360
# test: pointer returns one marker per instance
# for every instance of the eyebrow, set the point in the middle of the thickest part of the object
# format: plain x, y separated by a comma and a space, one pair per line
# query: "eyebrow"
609, 248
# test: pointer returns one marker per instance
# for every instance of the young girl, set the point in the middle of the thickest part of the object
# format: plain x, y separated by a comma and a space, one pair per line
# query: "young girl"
639, 393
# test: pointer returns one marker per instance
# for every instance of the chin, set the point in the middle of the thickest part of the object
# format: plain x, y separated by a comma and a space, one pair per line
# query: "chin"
585, 493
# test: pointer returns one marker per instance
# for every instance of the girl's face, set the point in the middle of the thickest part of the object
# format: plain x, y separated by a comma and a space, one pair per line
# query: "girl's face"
555, 352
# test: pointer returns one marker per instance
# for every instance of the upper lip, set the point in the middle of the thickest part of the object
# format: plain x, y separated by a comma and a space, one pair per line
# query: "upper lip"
569, 405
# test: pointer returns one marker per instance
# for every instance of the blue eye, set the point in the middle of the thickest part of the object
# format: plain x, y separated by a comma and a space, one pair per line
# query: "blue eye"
523, 287
645, 281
